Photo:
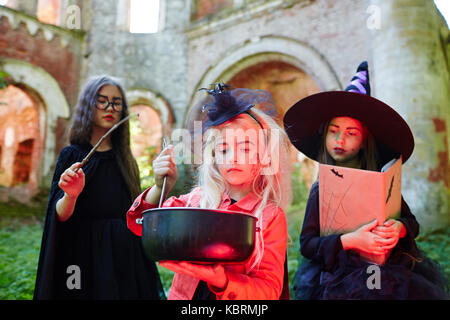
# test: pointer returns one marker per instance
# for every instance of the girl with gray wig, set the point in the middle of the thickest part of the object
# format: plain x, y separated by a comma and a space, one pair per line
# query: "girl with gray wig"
87, 251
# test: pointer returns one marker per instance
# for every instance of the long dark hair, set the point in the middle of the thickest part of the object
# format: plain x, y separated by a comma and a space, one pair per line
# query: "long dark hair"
368, 154
80, 130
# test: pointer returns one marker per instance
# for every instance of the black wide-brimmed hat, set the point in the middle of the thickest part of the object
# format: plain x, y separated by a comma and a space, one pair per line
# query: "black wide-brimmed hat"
304, 122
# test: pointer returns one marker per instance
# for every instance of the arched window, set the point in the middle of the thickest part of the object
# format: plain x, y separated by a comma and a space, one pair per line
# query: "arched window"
146, 131
20, 138
22, 162
144, 16
444, 9
146, 136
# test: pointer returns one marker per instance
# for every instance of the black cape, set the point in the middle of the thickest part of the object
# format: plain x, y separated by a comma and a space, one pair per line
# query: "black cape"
95, 239
329, 272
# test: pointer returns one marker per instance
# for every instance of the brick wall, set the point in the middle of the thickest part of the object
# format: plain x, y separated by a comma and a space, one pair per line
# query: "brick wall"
63, 63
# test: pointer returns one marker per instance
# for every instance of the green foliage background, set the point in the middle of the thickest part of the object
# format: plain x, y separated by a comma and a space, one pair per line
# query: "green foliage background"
3, 79
19, 252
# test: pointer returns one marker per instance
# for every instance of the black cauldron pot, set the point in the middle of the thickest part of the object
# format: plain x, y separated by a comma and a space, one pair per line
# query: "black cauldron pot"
199, 235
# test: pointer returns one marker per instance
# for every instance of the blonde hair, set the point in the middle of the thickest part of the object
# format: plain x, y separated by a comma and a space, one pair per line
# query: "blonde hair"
268, 185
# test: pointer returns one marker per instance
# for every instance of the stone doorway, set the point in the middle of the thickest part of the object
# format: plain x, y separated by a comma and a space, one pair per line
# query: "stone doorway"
21, 140
146, 137
286, 83
22, 162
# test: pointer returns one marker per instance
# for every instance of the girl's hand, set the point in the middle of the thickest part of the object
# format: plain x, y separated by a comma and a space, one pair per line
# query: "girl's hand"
391, 230
214, 275
365, 240
164, 165
71, 182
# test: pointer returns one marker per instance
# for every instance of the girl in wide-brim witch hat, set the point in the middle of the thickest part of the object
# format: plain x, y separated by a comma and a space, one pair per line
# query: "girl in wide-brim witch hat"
352, 129
305, 122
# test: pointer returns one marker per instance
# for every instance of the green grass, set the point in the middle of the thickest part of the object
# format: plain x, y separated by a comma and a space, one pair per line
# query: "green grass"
294, 216
19, 253
166, 276
14, 209
436, 246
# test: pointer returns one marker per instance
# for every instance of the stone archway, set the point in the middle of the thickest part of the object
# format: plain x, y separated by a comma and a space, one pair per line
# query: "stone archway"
21, 139
49, 93
286, 82
146, 131
155, 122
157, 103
264, 49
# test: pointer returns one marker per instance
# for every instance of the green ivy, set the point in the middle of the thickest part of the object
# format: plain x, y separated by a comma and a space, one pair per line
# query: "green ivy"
3, 79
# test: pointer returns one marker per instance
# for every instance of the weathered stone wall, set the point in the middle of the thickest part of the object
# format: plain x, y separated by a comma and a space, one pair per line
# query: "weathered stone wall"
56, 50
45, 62
335, 29
412, 75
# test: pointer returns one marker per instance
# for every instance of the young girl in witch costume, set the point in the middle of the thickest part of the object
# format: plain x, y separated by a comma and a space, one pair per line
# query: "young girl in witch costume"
351, 129
87, 251
233, 176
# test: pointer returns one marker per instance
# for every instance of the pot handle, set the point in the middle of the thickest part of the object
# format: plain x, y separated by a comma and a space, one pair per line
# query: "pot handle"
139, 220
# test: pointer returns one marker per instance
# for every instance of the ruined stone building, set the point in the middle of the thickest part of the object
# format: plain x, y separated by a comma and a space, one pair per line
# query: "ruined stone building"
292, 48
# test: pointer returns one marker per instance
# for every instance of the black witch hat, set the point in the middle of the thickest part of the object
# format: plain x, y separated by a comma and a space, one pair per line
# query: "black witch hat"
228, 103
304, 121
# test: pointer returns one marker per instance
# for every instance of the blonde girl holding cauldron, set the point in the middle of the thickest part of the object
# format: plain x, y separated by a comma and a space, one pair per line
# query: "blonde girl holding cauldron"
240, 172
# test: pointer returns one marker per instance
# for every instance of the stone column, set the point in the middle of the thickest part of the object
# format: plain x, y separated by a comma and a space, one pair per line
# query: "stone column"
411, 74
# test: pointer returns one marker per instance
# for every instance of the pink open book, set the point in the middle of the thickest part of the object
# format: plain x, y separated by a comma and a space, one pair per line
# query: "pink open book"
350, 198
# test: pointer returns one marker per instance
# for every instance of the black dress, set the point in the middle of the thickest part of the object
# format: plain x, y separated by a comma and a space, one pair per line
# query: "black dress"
329, 272
95, 239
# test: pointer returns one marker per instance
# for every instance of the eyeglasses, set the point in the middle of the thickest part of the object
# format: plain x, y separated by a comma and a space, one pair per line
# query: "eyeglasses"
103, 104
